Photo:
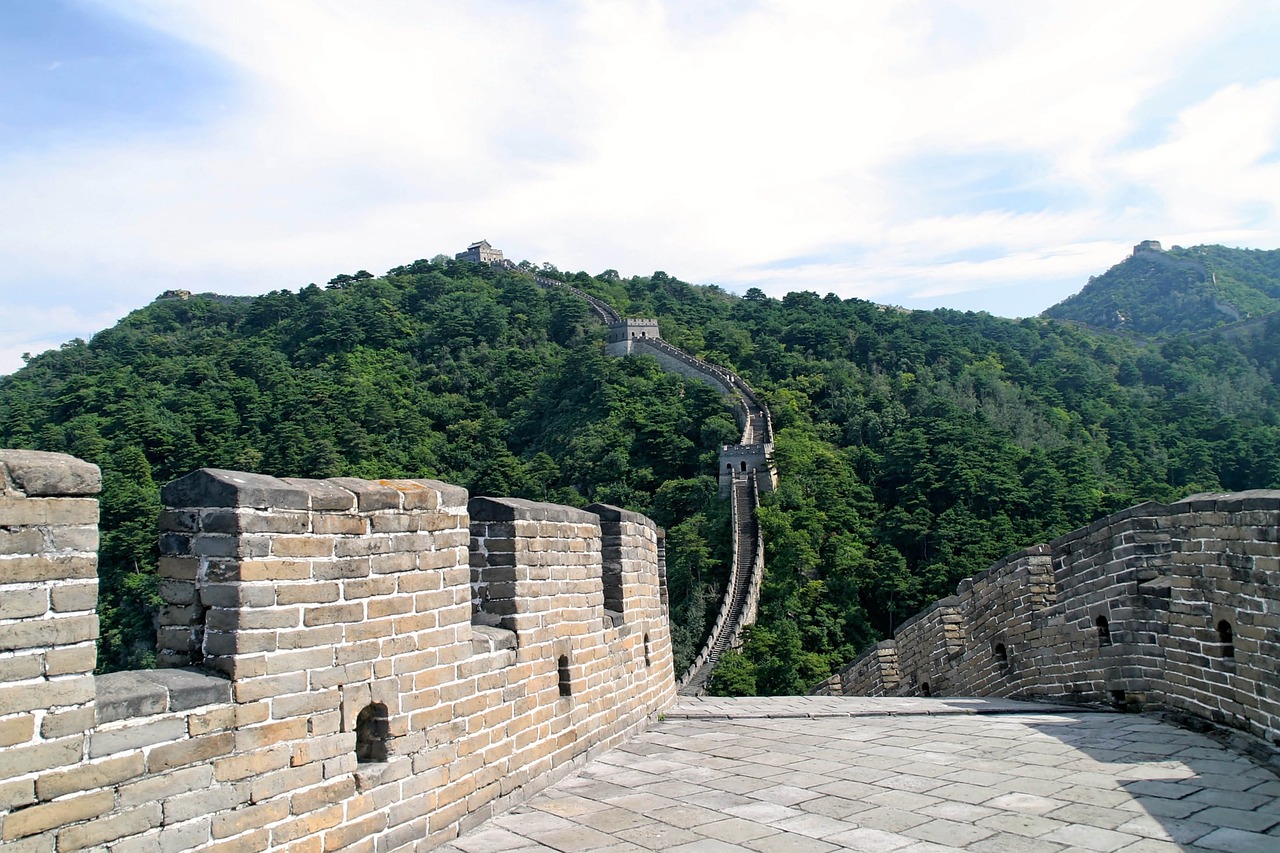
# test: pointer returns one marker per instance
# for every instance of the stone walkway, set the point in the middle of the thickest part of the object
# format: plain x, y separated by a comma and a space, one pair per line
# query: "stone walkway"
909, 776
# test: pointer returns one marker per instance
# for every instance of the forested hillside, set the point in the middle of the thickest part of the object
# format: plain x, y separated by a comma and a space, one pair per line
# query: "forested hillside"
1158, 293
914, 448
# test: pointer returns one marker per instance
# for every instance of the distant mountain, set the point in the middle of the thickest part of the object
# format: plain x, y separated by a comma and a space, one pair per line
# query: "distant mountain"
1158, 293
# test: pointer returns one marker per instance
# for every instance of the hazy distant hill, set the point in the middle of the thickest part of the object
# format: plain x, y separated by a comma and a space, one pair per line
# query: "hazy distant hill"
1182, 290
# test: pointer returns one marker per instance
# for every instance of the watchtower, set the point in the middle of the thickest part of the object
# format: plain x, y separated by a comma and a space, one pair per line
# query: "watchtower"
481, 253
624, 334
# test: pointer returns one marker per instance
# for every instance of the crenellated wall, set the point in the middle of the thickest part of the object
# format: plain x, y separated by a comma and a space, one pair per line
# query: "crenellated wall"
352, 664
1174, 607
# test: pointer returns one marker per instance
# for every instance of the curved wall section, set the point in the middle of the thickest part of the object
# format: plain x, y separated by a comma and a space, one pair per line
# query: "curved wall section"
1158, 607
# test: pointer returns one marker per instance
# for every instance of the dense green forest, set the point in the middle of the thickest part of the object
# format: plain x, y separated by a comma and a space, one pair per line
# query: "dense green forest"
1181, 290
914, 448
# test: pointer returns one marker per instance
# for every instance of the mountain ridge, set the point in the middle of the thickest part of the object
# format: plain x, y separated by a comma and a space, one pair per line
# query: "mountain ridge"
914, 448
1157, 293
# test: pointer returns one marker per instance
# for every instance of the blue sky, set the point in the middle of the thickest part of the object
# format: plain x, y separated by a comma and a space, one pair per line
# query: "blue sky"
974, 154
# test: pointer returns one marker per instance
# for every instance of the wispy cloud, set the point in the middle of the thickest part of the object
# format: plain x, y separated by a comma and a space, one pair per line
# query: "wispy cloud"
978, 155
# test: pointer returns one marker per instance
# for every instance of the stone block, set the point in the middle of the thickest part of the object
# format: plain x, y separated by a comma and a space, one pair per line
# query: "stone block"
47, 694
333, 614
248, 818
23, 667
206, 801
214, 487
69, 597
189, 751
302, 546
270, 734
24, 603
67, 723
109, 829
370, 496
37, 473
127, 696
18, 793
36, 569
17, 730
42, 818
84, 777
245, 765
109, 741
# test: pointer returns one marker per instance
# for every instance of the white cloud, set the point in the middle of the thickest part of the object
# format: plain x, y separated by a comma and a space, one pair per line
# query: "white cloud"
639, 136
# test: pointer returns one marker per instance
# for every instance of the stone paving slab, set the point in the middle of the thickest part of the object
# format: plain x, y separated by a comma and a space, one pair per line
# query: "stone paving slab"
907, 776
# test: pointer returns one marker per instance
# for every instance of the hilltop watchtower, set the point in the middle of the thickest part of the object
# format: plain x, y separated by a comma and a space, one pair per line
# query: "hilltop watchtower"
1148, 246
480, 253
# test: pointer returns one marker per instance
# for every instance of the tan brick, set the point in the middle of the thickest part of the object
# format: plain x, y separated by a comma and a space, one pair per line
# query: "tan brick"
45, 694
274, 570
75, 721
19, 793
333, 614
190, 751
339, 524
35, 569
17, 730
307, 593
320, 748
30, 821
83, 777
270, 734
71, 597
71, 660
250, 817
271, 785
22, 667
211, 721
48, 632
111, 828
302, 546
353, 831
311, 823
24, 603
250, 843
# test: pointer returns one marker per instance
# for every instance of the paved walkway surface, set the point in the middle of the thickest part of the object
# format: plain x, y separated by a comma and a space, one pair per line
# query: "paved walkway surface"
909, 776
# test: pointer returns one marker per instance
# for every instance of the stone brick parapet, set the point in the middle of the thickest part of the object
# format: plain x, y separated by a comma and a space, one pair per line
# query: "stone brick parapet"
337, 677
1157, 607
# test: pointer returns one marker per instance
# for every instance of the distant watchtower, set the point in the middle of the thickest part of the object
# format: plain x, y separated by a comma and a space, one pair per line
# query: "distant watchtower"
1148, 246
624, 334
480, 253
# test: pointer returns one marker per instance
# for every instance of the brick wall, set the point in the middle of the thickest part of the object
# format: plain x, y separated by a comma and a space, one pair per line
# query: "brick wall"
1173, 607
373, 665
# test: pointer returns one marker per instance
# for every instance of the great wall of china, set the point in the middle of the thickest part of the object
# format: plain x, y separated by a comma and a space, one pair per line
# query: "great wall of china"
746, 470
1154, 608
345, 662
380, 665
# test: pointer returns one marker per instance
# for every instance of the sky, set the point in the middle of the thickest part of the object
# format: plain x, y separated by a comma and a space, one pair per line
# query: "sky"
985, 155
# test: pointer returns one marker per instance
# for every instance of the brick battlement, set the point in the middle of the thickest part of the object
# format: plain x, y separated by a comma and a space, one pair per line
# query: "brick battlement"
376, 664
1156, 607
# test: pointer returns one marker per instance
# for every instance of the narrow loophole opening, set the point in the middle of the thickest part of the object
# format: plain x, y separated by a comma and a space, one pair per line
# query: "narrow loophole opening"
562, 667
924, 689
1002, 654
647, 660
1104, 631
373, 728
1226, 639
